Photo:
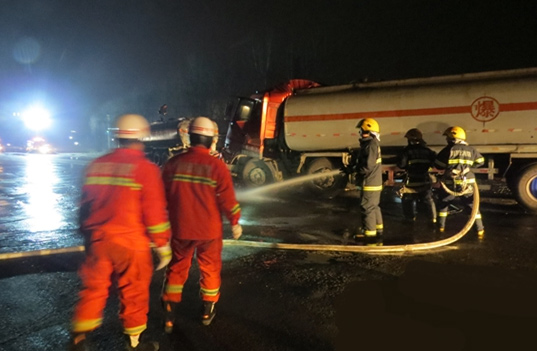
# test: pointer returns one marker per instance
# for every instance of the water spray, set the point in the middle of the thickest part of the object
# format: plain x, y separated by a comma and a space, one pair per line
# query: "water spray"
370, 249
257, 192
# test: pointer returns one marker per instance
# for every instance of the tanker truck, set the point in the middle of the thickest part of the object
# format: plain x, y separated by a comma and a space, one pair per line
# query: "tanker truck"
169, 136
300, 127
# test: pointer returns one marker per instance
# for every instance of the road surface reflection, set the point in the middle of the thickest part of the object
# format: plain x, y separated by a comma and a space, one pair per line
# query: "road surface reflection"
41, 204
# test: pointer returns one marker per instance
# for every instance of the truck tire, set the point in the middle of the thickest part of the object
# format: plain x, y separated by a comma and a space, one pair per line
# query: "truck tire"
256, 174
329, 185
525, 189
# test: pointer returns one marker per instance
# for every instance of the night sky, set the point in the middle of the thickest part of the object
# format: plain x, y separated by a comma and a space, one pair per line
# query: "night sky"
89, 59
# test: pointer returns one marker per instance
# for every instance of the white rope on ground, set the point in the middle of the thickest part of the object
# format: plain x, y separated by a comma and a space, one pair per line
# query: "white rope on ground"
305, 247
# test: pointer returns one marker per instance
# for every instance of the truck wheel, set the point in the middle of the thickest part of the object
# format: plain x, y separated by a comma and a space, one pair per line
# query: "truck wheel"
328, 184
525, 189
256, 173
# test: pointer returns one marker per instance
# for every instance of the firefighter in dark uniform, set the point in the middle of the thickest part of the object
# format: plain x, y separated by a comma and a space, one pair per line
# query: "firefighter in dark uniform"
457, 159
416, 159
368, 169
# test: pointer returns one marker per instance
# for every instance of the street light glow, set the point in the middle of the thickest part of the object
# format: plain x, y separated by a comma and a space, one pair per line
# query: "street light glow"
36, 118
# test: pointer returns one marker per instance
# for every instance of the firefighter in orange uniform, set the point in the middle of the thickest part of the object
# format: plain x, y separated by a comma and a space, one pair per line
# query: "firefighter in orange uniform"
199, 190
122, 211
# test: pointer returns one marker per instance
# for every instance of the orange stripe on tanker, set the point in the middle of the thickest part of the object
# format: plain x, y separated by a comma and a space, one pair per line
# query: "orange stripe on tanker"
521, 106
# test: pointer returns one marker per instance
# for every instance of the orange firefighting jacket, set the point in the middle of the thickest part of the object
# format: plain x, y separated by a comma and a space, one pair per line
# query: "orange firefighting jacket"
199, 190
123, 201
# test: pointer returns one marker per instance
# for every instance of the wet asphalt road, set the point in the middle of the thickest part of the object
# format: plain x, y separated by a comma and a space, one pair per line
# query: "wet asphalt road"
472, 295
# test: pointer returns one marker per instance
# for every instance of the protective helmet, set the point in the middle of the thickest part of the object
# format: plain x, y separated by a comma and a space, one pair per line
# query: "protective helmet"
132, 127
414, 134
202, 126
455, 133
368, 125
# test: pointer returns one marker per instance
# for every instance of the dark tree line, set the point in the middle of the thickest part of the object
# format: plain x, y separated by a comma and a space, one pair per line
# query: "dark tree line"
112, 57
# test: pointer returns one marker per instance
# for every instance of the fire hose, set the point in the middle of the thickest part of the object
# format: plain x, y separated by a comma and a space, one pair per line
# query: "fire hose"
370, 249
304, 247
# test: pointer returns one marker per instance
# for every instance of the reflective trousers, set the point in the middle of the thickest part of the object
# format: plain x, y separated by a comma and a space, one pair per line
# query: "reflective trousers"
133, 270
467, 202
371, 214
209, 257
410, 203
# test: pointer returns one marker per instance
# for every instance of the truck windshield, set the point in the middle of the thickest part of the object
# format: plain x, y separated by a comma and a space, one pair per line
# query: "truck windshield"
244, 110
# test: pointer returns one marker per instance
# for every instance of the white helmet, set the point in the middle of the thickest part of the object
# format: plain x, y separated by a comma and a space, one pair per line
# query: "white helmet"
132, 127
202, 126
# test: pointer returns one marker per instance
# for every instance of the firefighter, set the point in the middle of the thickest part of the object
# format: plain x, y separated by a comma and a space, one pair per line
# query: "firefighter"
122, 211
199, 190
456, 160
416, 159
368, 168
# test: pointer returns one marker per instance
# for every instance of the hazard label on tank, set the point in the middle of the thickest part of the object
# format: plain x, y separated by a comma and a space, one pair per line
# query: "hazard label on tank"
485, 109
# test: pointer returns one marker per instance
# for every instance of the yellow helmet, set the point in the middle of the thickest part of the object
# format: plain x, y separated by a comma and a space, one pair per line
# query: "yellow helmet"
368, 125
414, 134
455, 133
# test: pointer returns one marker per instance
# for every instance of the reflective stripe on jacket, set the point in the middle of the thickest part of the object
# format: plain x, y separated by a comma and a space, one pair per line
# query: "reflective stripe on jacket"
123, 200
456, 161
199, 190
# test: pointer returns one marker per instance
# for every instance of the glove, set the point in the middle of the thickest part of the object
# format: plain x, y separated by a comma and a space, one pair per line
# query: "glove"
164, 254
359, 180
236, 231
345, 170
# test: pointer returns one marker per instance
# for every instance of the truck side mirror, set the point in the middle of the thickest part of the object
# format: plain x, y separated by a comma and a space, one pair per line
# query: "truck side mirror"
163, 110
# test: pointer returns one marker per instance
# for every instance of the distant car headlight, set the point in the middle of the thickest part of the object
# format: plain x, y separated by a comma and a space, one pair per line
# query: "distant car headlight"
45, 149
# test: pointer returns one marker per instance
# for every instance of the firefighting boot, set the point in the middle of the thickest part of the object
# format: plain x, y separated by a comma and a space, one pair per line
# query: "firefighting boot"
442, 218
373, 241
380, 229
479, 226
133, 343
209, 312
169, 316
79, 343
359, 234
